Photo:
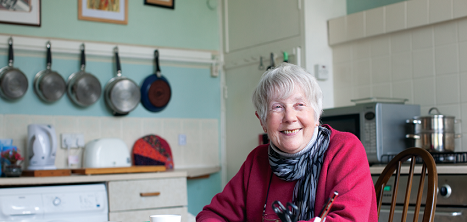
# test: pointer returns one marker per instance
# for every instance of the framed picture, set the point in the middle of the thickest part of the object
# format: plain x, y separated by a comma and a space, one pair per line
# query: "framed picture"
113, 11
161, 3
21, 12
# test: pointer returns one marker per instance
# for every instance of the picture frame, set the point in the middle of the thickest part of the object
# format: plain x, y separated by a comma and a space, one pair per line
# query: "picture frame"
161, 3
21, 12
114, 12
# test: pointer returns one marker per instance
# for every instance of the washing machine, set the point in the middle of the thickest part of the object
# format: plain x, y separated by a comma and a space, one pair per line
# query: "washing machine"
64, 203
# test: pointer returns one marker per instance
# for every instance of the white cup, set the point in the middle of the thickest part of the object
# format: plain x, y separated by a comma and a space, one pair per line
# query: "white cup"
165, 218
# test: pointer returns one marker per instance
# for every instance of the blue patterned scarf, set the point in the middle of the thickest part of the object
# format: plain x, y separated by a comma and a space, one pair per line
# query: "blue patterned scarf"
304, 166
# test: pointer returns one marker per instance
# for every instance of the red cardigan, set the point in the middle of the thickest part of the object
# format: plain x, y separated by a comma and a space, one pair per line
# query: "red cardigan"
345, 169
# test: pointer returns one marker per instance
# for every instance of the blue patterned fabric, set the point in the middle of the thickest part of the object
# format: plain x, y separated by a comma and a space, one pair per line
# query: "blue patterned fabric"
305, 168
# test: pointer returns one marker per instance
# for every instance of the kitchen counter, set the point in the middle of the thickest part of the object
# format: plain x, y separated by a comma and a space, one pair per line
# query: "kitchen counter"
75, 178
459, 168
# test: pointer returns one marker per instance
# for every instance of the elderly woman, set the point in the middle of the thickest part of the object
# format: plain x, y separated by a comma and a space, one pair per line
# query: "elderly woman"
304, 164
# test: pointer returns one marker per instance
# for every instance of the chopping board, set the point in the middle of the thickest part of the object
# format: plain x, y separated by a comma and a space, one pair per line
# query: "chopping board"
113, 170
46, 173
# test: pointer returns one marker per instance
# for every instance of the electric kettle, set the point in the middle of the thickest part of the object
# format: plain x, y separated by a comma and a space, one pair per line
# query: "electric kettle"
42, 146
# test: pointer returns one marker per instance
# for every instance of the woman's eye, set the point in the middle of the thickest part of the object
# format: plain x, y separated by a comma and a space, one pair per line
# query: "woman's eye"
276, 107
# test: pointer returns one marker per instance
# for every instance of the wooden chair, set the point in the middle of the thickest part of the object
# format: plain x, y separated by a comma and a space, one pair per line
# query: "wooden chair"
428, 167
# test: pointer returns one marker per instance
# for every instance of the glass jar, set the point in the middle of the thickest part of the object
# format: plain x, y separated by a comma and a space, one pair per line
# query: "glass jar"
12, 170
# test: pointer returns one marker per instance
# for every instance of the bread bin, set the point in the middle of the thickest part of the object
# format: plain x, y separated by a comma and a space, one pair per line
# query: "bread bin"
106, 152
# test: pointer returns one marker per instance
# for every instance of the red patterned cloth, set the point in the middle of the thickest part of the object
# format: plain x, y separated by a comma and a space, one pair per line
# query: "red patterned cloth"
152, 150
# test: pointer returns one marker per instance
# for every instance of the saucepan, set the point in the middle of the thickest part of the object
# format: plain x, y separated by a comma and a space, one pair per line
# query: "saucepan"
435, 132
49, 86
121, 94
83, 88
13, 82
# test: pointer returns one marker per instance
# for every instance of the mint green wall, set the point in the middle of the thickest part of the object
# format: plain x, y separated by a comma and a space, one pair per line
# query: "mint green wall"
362, 5
192, 25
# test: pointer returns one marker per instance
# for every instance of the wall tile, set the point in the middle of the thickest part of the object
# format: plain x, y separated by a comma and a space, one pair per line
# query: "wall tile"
152, 126
374, 21
342, 75
342, 53
463, 117
361, 92
337, 30
446, 59
424, 91
447, 89
362, 72
342, 96
459, 8
445, 33
111, 127
401, 66
395, 17
381, 90
403, 90
66, 124
380, 46
422, 61
417, 13
355, 26
360, 50
422, 38
132, 131
463, 56
90, 127
439, 10
463, 89
401, 42
462, 29
381, 69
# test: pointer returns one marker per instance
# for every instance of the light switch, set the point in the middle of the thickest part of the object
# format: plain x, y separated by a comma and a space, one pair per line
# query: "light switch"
321, 72
181, 139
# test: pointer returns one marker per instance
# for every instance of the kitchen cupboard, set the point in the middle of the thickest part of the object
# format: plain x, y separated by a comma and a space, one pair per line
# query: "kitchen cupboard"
132, 196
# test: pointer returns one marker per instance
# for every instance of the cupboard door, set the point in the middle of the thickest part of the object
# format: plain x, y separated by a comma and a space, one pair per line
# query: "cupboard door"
146, 194
254, 22
143, 215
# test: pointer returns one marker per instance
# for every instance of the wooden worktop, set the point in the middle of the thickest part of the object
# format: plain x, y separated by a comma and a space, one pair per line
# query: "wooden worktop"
75, 178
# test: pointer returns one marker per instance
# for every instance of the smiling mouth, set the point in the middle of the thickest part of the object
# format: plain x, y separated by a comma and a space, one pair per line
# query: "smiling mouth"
290, 131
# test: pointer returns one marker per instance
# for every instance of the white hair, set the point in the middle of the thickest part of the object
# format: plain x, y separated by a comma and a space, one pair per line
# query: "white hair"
283, 80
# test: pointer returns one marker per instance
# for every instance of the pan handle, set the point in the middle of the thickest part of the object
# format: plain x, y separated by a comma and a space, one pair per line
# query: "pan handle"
83, 58
156, 58
117, 61
10, 52
49, 55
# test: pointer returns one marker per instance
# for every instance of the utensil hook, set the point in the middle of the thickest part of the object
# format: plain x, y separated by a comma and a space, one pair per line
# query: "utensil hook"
156, 60
83, 58
117, 61
261, 66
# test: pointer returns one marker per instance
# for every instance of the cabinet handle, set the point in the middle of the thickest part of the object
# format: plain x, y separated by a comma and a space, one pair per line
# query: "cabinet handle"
150, 194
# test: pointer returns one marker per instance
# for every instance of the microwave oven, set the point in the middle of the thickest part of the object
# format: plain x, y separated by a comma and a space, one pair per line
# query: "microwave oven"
379, 126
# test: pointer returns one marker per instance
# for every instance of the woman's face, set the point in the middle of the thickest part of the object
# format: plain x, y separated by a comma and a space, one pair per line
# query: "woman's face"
290, 122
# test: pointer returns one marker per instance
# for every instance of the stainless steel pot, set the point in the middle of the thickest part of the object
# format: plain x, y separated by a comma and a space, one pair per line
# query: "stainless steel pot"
435, 132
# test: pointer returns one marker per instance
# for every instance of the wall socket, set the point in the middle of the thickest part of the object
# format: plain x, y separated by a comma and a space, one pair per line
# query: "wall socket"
73, 140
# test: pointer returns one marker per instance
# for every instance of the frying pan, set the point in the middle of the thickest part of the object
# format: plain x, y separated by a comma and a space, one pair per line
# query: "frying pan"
13, 82
121, 94
49, 85
83, 88
155, 90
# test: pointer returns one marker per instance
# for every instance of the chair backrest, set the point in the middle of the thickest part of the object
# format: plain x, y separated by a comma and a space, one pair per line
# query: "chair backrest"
428, 167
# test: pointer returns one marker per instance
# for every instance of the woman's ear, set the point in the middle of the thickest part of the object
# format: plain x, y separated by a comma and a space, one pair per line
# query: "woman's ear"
261, 122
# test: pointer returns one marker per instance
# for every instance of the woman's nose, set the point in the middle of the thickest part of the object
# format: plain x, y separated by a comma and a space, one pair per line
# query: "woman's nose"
290, 115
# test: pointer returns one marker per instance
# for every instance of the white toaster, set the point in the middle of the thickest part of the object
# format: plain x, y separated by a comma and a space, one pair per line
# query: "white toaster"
106, 152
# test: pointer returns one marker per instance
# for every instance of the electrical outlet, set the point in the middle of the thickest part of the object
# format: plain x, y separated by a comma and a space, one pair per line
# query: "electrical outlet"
181, 139
72, 140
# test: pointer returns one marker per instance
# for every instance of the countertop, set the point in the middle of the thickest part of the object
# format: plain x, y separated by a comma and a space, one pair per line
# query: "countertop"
459, 168
75, 178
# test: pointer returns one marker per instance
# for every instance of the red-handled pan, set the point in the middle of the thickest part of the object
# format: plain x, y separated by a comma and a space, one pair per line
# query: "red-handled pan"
13, 82
155, 90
